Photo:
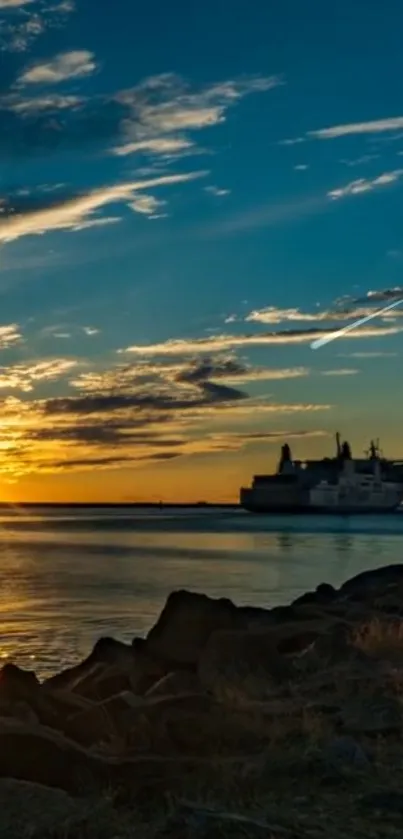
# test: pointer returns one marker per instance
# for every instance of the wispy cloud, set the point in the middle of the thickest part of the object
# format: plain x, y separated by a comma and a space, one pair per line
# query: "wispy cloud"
217, 191
371, 127
24, 377
366, 184
361, 161
13, 4
343, 371
154, 145
10, 335
67, 65
77, 212
26, 20
368, 355
219, 343
347, 309
165, 105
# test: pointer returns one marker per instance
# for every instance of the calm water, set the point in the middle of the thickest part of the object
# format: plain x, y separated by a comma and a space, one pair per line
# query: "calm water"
70, 576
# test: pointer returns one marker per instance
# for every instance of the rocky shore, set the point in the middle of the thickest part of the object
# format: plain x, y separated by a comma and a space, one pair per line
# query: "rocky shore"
225, 721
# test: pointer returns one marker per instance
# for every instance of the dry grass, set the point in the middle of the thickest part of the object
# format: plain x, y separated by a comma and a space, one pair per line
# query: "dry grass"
380, 637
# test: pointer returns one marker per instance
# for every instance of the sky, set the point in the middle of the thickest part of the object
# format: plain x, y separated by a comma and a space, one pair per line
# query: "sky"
190, 195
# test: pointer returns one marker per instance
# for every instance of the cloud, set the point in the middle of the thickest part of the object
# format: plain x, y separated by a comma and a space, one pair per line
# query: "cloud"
24, 376
157, 117
219, 343
13, 4
215, 190
95, 222
38, 104
360, 161
384, 294
91, 330
301, 167
154, 145
292, 141
67, 65
146, 204
9, 335
371, 127
366, 184
267, 436
345, 309
76, 212
164, 105
24, 21
368, 355
346, 371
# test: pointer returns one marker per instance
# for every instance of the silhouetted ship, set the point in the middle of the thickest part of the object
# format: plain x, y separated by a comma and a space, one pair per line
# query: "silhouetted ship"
341, 484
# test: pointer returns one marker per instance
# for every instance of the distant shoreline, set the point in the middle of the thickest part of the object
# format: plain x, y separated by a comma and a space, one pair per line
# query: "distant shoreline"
121, 505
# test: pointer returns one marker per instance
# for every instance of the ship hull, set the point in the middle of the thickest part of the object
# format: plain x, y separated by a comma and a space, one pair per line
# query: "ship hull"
307, 509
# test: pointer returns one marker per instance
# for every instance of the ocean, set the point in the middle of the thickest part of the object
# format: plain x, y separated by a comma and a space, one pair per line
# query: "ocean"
72, 575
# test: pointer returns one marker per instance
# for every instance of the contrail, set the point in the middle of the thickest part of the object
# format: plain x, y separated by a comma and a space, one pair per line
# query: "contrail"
320, 342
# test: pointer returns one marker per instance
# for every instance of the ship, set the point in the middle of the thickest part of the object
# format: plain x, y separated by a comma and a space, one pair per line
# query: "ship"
340, 484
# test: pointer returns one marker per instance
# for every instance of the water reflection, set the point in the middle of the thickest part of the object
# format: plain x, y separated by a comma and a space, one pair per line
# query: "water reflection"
66, 582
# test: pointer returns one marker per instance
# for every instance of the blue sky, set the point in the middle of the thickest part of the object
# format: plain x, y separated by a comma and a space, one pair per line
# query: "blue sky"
189, 195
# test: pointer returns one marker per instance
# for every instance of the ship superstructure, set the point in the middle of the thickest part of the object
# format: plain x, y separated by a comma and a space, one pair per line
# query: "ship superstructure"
295, 485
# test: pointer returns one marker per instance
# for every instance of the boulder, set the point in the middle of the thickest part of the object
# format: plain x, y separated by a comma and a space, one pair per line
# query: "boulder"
194, 725
372, 715
17, 684
21, 696
238, 667
43, 756
102, 723
175, 684
323, 594
107, 651
35, 811
376, 580
185, 625
110, 669
193, 822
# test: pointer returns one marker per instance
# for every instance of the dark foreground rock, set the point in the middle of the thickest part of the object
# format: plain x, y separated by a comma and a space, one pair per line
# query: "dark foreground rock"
201, 823
32, 811
185, 625
313, 688
111, 668
239, 667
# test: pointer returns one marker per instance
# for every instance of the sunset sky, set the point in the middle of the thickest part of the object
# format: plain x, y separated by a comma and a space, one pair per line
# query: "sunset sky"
191, 193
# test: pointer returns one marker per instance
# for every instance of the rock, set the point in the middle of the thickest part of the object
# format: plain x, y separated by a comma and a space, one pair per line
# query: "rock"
345, 750
107, 651
185, 625
192, 822
323, 595
110, 669
238, 667
189, 724
294, 638
103, 722
376, 579
334, 647
174, 684
372, 715
21, 696
389, 801
43, 756
35, 811
17, 684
